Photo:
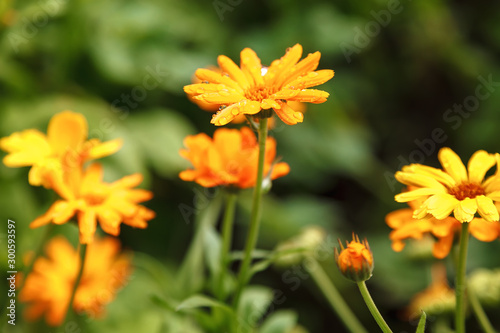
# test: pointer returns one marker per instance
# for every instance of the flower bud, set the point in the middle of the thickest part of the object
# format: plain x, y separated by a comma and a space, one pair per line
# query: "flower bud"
355, 261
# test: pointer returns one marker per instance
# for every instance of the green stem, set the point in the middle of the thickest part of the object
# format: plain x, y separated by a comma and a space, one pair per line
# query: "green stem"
227, 233
373, 308
479, 311
460, 280
83, 253
255, 215
334, 298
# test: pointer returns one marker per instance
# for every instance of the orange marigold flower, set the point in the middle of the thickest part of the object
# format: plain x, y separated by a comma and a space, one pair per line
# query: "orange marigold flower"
250, 88
405, 226
355, 261
87, 197
64, 146
229, 159
48, 287
436, 299
453, 189
211, 107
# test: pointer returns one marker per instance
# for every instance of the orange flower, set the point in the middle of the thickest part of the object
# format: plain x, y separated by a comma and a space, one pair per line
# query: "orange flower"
49, 286
355, 261
453, 189
436, 299
211, 107
230, 159
250, 88
405, 226
64, 146
85, 195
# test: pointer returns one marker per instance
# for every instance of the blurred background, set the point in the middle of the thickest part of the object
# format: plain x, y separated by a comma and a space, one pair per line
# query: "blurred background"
410, 77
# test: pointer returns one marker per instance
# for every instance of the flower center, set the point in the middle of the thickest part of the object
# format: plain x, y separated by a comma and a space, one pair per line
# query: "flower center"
467, 190
259, 93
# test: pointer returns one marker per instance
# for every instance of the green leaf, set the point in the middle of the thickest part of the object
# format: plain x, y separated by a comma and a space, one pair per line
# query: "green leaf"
212, 249
421, 323
198, 301
255, 301
191, 274
281, 321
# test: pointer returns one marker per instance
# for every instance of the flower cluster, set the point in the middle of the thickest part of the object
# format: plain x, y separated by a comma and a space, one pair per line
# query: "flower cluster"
48, 287
434, 194
58, 162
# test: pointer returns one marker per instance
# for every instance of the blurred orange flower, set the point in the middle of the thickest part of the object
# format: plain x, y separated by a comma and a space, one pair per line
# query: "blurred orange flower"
48, 287
65, 146
229, 159
355, 261
453, 189
250, 88
436, 299
405, 227
85, 195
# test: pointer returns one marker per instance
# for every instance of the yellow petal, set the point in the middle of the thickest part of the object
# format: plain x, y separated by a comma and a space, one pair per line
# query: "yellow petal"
234, 72
25, 148
269, 103
494, 195
311, 79
419, 180
224, 96
304, 95
437, 174
486, 208
479, 164
306, 65
415, 194
452, 164
464, 211
279, 69
226, 115
104, 149
213, 77
441, 205
87, 224
67, 130
483, 230
288, 115
251, 66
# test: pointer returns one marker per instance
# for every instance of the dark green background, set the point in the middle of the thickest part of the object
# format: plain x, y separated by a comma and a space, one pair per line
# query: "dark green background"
402, 70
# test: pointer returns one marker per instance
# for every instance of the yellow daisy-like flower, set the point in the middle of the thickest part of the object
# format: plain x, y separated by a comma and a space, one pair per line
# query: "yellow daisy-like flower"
453, 189
250, 88
49, 286
66, 145
90, 199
